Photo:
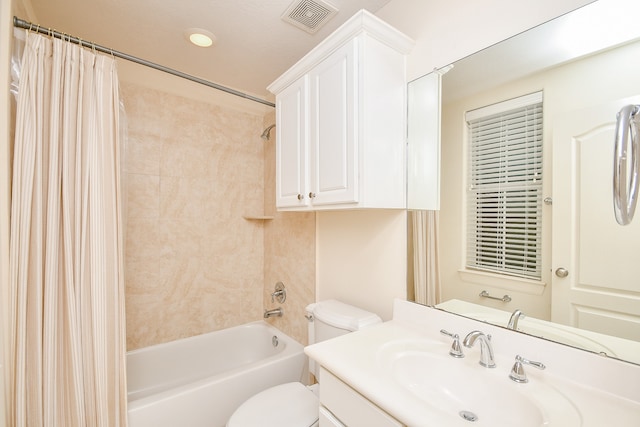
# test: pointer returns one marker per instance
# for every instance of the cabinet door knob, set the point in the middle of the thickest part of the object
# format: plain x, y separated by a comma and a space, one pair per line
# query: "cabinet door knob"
312, 195
300, 197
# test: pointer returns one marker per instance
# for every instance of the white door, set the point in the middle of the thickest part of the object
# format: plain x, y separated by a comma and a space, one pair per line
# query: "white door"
601, 259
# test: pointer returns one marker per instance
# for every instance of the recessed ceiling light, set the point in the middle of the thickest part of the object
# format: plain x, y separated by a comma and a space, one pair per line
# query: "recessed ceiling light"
200, 37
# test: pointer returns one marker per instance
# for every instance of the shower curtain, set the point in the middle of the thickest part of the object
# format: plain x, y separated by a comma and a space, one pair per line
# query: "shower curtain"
425, 250
66, 260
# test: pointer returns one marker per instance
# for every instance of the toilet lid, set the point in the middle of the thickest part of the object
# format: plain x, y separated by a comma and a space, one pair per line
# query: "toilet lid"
285, 405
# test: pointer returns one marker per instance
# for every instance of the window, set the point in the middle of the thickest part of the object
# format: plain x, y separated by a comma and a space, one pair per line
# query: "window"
504, 200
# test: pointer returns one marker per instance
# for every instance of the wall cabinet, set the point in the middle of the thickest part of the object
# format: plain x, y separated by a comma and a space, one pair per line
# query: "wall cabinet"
341, 121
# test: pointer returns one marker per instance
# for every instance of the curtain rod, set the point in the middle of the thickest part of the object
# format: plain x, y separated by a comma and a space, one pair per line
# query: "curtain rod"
17, 22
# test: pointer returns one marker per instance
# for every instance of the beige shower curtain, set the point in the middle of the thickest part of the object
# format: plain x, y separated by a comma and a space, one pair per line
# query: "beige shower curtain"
426, 274
68, 347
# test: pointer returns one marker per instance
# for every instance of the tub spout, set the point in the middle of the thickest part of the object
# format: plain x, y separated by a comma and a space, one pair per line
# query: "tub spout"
276, 312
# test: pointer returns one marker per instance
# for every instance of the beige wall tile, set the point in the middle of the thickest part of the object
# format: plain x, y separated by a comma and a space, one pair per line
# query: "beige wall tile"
289, 252
193, 263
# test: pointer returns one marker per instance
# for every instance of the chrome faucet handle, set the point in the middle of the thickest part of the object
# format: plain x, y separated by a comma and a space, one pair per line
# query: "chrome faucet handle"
517, 371
280, 293
456, 349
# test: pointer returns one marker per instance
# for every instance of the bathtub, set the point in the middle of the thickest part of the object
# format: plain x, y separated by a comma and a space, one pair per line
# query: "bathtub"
199, 381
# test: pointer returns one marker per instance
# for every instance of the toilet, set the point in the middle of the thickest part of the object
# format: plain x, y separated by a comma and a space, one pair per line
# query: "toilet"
294, 404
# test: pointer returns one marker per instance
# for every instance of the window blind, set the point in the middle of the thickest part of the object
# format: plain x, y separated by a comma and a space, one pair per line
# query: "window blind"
505, 187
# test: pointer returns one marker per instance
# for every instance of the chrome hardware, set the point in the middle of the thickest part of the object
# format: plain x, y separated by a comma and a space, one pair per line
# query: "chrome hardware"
274, 341
625, 163
468, 416
300, 196
505, 298
456, 350
279, 294
276, 312
513, 320
517, 371
309, 317
548, 201
312, 195
562, 272
486, 350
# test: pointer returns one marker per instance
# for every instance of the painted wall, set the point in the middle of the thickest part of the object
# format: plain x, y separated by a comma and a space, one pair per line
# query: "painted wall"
362, 257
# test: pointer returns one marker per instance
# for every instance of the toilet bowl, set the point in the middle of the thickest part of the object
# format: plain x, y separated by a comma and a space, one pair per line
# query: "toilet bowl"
289, 404
294, 404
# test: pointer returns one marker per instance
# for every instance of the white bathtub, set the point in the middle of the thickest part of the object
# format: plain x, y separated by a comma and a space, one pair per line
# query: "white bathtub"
200, 381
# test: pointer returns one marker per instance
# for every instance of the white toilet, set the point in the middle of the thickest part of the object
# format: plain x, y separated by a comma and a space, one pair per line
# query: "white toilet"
294, 404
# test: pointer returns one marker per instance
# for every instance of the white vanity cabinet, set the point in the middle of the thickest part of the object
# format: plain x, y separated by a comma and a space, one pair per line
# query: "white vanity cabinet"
341, 121
342, 406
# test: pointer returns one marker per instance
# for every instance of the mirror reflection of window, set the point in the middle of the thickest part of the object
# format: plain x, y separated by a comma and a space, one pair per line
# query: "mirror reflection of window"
504, 198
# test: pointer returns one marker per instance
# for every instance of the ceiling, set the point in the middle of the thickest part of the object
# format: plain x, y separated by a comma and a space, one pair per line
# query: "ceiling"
254, 45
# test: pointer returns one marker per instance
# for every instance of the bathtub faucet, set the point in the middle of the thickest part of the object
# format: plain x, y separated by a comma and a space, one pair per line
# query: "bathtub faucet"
276, 312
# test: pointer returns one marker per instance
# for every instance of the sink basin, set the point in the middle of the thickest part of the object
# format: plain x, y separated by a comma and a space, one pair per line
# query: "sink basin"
460, 391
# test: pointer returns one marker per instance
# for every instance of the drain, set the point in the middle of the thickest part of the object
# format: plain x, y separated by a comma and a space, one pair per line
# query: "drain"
468, 416
274, 341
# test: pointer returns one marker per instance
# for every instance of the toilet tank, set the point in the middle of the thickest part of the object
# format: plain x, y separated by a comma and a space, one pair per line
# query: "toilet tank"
331, 318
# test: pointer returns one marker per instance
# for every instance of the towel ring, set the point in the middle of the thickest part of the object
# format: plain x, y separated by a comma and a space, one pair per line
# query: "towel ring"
625, 163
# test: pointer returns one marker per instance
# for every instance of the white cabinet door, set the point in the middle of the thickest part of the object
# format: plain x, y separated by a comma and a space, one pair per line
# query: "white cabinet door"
333, 161
291, 145
348, 406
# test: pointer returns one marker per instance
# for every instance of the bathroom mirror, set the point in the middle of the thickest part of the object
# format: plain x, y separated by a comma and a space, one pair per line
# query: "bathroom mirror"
582, 62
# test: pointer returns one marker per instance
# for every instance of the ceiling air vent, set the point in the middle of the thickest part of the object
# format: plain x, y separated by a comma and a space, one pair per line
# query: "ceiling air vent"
309, 15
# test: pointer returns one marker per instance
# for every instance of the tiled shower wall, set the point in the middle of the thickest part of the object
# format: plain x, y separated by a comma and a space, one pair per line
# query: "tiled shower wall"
290, 253
193, 263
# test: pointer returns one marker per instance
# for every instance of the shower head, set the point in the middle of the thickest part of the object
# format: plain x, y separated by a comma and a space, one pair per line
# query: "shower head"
266, 135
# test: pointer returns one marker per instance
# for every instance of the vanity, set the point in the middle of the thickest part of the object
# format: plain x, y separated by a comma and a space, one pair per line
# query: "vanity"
400, 373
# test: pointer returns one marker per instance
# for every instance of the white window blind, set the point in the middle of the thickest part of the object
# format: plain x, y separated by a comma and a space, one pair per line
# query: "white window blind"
505, 187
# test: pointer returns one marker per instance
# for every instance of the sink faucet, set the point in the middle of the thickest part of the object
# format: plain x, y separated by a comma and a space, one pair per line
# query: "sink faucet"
486, 351
513, 320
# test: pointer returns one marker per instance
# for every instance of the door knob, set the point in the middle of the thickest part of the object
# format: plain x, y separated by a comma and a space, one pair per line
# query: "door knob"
562, 272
